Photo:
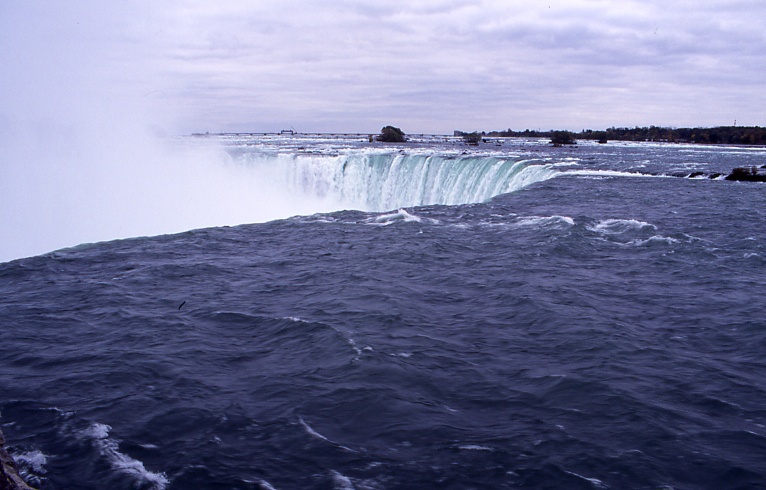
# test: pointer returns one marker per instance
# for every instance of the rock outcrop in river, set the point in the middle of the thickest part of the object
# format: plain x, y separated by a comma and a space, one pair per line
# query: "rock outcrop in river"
748, 174
742, 174
9, 471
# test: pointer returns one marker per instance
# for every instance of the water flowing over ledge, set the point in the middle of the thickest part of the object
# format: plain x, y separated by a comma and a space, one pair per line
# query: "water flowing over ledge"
382, 182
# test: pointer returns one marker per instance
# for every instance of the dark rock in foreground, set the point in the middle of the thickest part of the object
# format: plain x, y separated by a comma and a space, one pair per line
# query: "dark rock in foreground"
9, 471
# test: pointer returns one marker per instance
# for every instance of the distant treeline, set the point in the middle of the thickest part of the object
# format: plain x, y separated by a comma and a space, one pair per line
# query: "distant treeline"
737, 135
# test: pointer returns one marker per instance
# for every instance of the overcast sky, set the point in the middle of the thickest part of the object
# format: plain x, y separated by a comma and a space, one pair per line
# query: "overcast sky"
354, 66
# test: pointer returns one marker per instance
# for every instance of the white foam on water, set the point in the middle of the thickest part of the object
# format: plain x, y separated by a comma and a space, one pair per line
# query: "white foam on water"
341, 482
356, 348
310, 430
399, 216
654, 239
544, 221
474, 447
566, 163
33, 460
618, 226
608, 173
32, 466
295, 319
109, 449
265, 485
97, 431
593, 481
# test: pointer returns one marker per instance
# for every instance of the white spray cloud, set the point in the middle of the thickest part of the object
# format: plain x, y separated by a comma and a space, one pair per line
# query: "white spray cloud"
87, 153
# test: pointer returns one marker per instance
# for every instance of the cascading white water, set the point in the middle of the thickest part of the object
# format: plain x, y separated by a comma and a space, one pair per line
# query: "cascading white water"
381, 182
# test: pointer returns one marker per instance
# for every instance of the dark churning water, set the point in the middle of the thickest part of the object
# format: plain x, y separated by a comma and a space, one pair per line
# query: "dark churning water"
598, 323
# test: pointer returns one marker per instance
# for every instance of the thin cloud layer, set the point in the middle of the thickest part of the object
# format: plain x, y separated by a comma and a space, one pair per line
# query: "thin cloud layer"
430, 67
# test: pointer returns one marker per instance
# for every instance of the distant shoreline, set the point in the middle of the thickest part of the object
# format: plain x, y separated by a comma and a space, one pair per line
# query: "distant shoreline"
734, 135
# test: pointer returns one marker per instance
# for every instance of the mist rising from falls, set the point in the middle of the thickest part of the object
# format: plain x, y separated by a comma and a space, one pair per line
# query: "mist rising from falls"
66, 188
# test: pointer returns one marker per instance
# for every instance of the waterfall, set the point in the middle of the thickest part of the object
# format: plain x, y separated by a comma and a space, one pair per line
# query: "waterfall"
380, 182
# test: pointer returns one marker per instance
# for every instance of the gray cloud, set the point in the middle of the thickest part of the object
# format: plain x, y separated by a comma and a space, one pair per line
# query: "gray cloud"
433, 66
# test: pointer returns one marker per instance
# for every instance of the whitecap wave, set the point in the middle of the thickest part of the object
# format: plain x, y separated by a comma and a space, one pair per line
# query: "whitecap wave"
121, 462
595, 482
399, 216
619, 226
310, 430
608, 173
32, 466
545, 221
341, 482
474, 447
265, 485
34, 460
656, 239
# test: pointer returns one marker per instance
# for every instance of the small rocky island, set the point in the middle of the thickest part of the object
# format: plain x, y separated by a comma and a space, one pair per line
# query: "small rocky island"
391, 134
748, 174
